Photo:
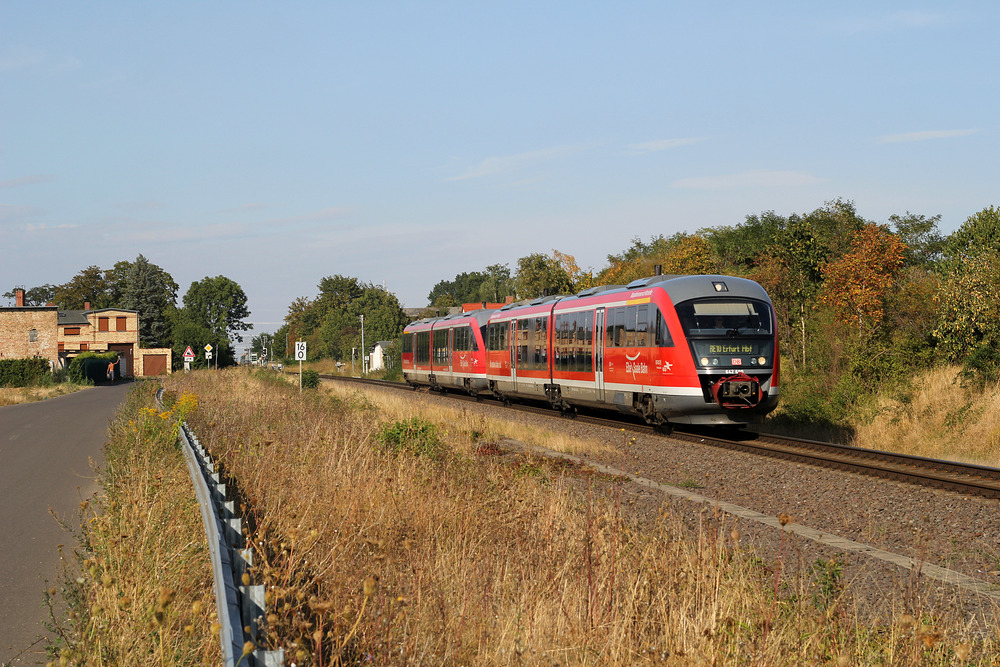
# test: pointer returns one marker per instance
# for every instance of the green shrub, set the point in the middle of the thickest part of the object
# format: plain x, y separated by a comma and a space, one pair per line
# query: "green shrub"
23, 372
90, 367
982, 366
416, 436
310, 379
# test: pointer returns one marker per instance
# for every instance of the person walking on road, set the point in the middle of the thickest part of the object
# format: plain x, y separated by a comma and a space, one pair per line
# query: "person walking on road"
111, 371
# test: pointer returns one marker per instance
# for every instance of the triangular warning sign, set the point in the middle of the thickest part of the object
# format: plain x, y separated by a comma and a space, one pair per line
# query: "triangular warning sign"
188, 352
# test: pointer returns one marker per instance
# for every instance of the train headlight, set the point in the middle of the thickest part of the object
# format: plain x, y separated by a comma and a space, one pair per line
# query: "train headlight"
753, 362
715, 362
762, 361
704, 361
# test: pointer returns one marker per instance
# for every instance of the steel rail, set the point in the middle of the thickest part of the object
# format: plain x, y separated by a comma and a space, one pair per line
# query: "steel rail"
964, 478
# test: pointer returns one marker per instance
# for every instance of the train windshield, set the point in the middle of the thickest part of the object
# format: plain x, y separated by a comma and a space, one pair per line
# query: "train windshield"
725, 318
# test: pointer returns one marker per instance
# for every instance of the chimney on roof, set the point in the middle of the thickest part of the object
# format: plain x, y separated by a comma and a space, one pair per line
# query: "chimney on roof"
19, 298
86, 305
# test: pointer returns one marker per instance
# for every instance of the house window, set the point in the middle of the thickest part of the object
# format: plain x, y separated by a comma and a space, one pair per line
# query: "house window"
62, 346
102, 323
121, 324
84, 346
71, 331
33, 335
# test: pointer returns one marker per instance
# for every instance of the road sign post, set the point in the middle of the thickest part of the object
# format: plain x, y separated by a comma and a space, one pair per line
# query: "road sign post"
300, 356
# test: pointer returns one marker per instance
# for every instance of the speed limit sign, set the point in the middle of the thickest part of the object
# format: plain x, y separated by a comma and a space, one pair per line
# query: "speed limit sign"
300, 351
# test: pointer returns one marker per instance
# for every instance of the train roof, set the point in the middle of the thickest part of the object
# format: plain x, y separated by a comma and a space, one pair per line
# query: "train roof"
683, 288
678, 287
481, 316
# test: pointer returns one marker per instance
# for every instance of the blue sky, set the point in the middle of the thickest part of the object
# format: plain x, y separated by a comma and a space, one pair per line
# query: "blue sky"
406, 142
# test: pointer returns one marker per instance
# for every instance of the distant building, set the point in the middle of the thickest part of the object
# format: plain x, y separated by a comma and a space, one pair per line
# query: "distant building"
380, 357
60, 335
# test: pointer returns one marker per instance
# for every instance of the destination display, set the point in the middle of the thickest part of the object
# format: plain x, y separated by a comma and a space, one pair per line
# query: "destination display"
733, 353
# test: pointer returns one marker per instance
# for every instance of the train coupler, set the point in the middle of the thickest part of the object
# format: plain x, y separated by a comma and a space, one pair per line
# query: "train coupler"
737, 391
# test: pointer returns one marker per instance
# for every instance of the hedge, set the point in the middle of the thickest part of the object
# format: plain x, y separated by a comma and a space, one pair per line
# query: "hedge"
90, 366
22, 372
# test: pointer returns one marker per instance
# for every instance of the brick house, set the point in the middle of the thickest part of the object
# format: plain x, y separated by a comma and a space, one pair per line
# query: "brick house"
29, 331
60, 335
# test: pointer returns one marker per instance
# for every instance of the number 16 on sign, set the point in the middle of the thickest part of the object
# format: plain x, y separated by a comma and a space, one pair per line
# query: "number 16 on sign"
300, 356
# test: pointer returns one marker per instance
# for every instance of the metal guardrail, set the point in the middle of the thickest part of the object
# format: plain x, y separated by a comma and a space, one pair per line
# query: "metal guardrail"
240, 607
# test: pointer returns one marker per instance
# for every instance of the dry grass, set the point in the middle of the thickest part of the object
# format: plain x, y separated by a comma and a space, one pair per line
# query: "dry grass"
938, 418
392, 405
140, 592
16, 395
386, 540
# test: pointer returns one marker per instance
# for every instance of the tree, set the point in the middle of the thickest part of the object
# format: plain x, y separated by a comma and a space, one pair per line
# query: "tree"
497, 285
152, 292
91, 285
218, 304
738, 248
186, 331
36, 296
791, 272
686, 254
538, 275
331, 323
578, 278
969, 307
924, 244
979, 233
463, 289
857, 284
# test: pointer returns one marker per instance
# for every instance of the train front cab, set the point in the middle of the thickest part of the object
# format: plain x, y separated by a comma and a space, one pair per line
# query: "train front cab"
416, 353
712, 359
728, 331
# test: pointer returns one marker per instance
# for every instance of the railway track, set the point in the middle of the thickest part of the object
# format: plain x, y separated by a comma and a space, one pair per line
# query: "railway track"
964, 478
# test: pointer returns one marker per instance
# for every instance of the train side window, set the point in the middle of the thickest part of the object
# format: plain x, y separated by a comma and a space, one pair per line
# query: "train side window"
662, 333
642, 326
407, 344
541, 342
423, 351
630, 326
525, 342
616, 327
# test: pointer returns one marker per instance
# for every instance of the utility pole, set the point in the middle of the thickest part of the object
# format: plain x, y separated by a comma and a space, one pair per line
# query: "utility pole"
364, 350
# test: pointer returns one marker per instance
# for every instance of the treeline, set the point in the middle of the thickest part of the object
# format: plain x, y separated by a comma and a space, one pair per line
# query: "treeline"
861, 305
212, 310
331, 324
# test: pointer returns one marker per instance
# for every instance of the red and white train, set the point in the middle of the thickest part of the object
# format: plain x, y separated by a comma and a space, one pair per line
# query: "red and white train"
671, 349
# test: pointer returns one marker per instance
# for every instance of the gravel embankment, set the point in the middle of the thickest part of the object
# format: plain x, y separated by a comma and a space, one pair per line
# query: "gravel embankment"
953, 531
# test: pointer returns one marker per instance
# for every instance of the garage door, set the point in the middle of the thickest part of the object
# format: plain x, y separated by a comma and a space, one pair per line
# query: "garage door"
155, 364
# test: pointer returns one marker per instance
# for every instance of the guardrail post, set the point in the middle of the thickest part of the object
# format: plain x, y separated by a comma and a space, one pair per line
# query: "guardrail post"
238, 605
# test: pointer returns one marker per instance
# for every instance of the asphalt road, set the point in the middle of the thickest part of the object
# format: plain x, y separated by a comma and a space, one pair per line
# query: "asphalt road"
45, 452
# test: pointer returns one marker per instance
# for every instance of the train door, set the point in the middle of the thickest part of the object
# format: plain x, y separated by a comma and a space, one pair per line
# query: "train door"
451, 350
599, 353
512, 347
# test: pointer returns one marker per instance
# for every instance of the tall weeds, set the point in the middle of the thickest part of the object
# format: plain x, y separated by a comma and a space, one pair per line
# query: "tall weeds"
455, 551
140, 587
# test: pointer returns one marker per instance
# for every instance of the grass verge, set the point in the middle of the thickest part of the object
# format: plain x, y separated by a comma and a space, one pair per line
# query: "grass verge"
385, 538
139, 588
17, 395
